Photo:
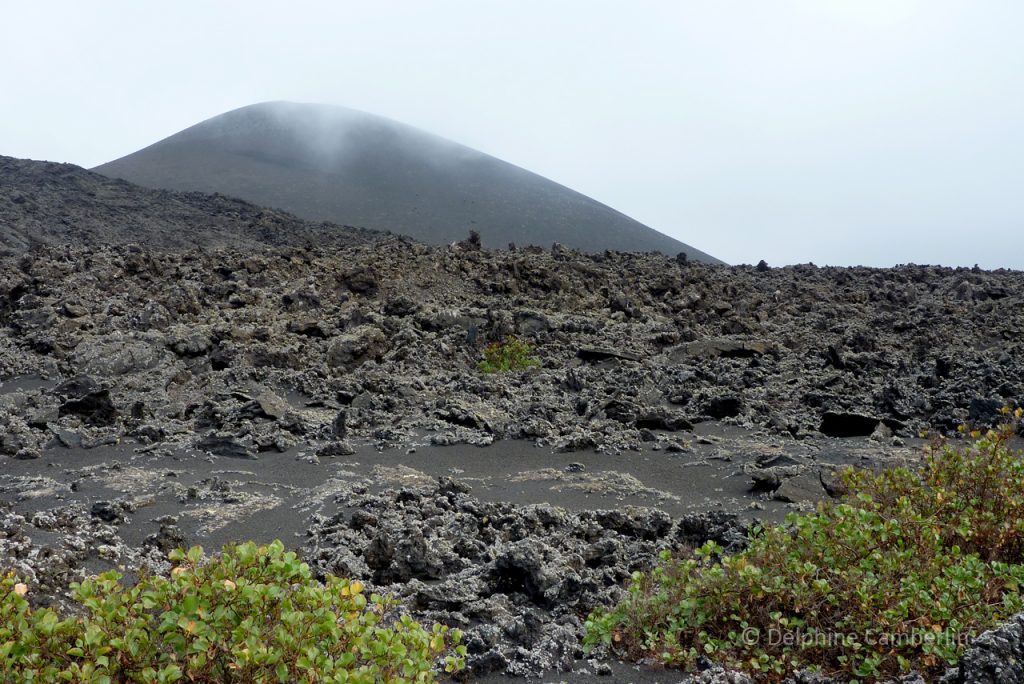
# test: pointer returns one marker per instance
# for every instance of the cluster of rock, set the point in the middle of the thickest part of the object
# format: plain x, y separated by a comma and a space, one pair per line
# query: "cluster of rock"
516, 579
52, 548
253, 350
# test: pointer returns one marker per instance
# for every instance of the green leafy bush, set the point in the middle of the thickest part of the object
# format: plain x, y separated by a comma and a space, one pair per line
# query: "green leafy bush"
975, 496
253, 614
897, 577
512, 354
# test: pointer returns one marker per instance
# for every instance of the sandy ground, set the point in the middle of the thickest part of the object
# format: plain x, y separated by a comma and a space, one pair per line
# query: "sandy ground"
273, 496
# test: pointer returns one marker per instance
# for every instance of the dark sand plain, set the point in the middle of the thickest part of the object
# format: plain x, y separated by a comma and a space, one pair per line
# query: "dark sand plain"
273, 496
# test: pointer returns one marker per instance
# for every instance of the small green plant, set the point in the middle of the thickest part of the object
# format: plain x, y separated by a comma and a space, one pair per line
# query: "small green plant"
897, 577
253, 614
511, 354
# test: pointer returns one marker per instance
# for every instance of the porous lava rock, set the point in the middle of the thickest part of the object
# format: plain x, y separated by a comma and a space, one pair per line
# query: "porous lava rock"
516, 579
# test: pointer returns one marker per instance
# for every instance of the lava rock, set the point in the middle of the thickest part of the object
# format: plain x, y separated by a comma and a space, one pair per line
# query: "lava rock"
355, 347
802, 489
718, 526
86, 398
106, 511
834, 424
604, 354
985, 411
724, 407
995, 656
228, 446
167, 539
271, 405
717, 347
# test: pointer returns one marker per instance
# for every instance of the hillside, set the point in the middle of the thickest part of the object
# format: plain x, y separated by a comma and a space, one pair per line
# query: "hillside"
43, 203
333, 164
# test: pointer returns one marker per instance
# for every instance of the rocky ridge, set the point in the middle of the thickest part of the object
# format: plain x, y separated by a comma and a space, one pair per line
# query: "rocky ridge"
44, 203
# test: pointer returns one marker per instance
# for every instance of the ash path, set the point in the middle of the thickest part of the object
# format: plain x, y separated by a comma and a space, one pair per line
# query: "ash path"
218, 500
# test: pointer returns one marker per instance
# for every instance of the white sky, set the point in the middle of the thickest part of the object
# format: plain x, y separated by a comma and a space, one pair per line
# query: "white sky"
835, 131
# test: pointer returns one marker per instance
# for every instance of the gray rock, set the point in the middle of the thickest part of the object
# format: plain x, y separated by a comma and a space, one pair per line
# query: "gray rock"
85, 397
802, 489
167, 539
530, 322
74, 309
355, 347
45, 412
847, 424
605, 353
995, 657
310, 327
339, 448
717, 526
113, 357
339, 426
401, 306
764, 480
717, 674
154, 316
460, 413
228, 446
727, 406
106, 511
16, 440
516, 578
985, 411
271, 405
711, 348
190, 343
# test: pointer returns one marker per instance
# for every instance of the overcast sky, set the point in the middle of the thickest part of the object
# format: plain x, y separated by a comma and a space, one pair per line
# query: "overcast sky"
835, 131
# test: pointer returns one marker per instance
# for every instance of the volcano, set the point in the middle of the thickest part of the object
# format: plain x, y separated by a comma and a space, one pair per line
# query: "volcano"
326, 163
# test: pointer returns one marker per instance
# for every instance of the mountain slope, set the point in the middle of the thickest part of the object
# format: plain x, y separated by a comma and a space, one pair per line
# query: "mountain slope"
327, 163
46, 203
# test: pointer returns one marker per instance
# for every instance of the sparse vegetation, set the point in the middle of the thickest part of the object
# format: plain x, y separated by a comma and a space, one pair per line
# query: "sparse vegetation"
897, 577
253, 614
511, 354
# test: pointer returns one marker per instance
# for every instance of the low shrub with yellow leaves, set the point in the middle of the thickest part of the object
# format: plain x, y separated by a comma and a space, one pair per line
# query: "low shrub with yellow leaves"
251, 614
898, 577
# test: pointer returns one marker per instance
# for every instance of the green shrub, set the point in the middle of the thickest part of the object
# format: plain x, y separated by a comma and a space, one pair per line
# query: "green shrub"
975, 495
897, 577
512, 354
253, 614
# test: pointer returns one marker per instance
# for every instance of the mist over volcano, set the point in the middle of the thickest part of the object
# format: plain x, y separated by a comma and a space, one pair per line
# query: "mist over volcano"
327, 163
